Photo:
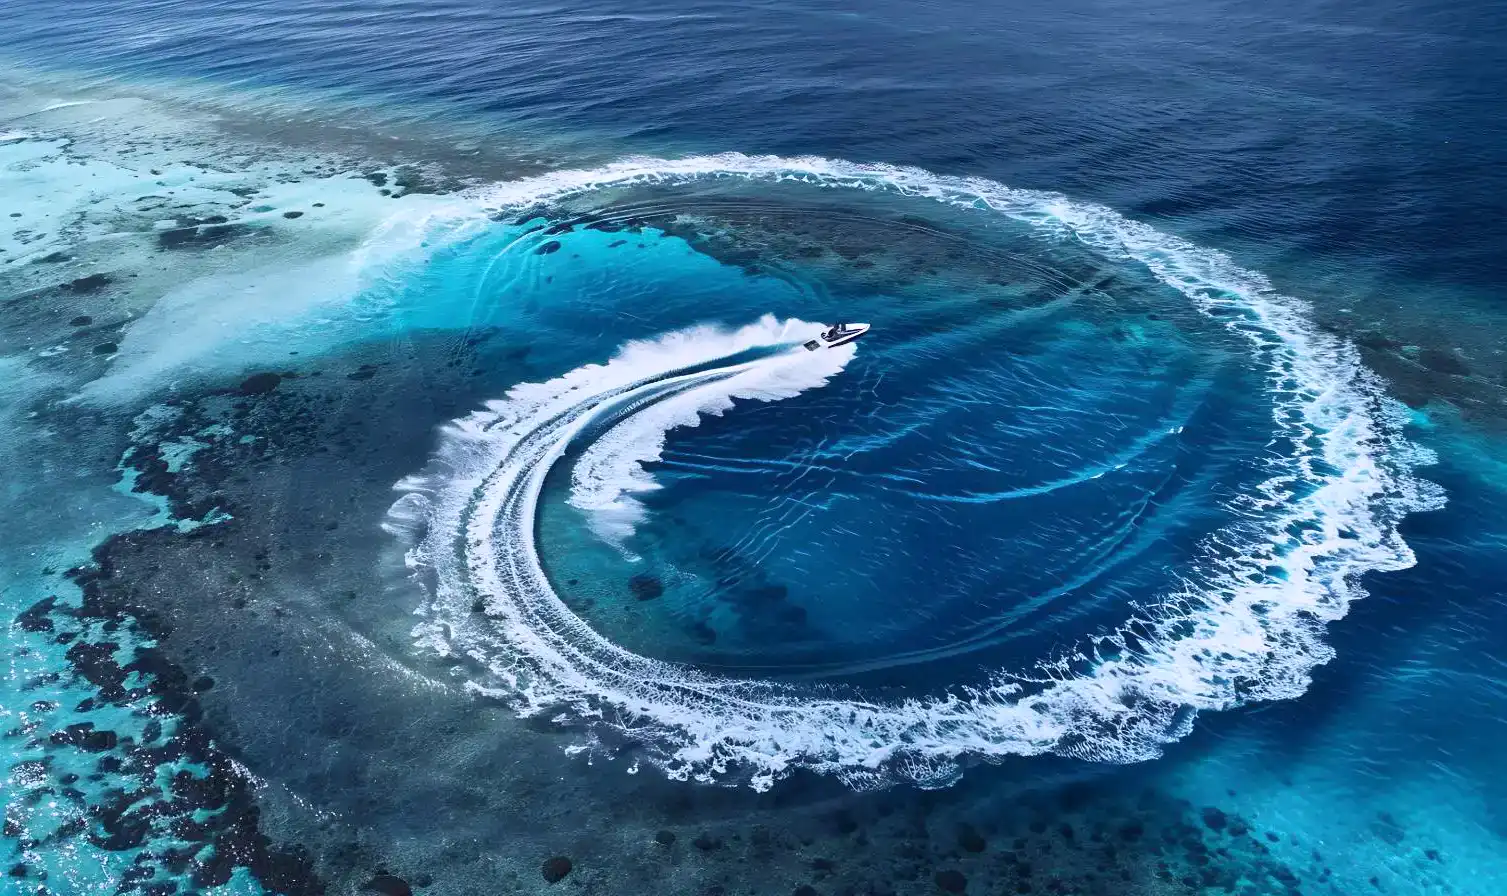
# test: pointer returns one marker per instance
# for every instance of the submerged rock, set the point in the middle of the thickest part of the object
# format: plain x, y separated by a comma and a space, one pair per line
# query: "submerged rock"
91, 283
645, 586
951, 881
260, 383
206, 236
1388, 829
970, 839
389, 885
1214, 819
555, 869
1442, 361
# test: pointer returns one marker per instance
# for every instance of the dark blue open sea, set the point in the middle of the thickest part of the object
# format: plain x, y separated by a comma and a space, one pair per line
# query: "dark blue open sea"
422, 472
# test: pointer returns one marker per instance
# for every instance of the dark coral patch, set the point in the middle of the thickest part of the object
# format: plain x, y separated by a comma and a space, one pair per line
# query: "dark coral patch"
38, 618
84, 734
228, 824
95, 662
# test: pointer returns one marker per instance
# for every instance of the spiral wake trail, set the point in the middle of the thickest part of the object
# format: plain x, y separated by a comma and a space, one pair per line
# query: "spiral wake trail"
1247, 622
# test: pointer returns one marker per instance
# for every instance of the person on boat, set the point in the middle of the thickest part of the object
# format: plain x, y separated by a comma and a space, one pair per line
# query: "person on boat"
836, 331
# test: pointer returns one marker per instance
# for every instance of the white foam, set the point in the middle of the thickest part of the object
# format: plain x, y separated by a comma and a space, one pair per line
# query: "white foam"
1234, 634
611, 470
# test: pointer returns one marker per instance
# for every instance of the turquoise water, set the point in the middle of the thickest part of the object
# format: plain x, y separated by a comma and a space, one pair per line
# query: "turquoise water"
418, 483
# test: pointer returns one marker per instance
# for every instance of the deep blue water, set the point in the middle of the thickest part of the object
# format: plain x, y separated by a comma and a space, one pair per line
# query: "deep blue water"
1051, 555
1364, 134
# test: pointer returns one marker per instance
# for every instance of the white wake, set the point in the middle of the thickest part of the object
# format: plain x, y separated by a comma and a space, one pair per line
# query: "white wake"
1235, 633
610, 471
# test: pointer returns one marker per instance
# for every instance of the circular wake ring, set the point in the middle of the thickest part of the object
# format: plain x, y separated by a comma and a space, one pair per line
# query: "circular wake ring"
1236, 632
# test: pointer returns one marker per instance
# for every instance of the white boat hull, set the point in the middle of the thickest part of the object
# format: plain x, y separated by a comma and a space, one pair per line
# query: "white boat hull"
849, 333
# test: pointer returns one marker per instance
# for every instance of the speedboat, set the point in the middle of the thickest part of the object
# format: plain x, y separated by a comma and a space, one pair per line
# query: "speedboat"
837, 334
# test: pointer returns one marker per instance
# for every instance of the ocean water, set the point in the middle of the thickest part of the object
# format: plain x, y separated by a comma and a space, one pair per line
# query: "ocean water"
417, 480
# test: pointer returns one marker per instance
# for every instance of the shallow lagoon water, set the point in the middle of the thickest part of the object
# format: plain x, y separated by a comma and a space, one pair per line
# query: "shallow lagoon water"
285, 319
